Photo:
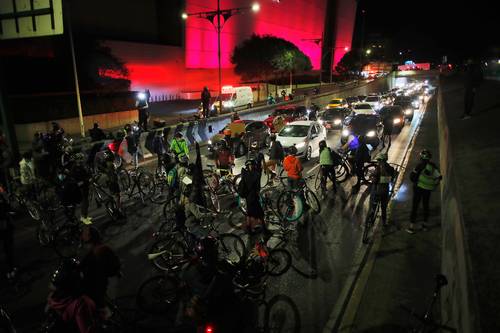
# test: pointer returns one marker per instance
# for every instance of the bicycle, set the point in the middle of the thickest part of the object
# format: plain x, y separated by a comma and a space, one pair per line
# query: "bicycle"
67, 239
426, 322
101, 196
291, 203
136, 181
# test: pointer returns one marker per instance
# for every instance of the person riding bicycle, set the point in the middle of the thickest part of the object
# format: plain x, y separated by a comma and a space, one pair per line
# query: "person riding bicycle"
67, 190
381, 179
175, 174
179, 146
327, 166
107, 168
276, 155
69, 309
293, 168
356, 147
225, 158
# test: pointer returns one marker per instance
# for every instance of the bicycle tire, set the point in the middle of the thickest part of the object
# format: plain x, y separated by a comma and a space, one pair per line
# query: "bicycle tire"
157, 295
67, 241
33, 210
279, 262
317, 180
368, 171
290, 206
161, 192
274, 322
368, 226
173, 256
312, 201
170, 207
234, 221
231, 248
211, 179
341, 172
211, 200
146, 184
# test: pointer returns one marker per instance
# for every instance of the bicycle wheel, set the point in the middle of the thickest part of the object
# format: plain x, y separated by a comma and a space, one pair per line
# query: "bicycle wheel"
158, 295
146, 184
341, 172
290, 206
211, 200
369, 221
161, 192
317, 180
33, 209
231, 248
167, 254
112, 209
67, 241
312, 201
170, 207
211, 179
278, 262
165, 229
368, 172
281, 315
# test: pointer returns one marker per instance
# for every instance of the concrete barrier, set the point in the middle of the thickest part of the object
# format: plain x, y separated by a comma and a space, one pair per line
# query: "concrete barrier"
458, 300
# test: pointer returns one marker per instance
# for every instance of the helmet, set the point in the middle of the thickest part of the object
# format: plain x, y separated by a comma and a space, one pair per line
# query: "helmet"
184, 160
425, 154
292, 150
68, 275
382, 157
322, 144
254, 145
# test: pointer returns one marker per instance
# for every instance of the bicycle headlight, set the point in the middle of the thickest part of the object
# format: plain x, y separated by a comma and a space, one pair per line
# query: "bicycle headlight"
397, 120
370, 134
345, 132
209, 142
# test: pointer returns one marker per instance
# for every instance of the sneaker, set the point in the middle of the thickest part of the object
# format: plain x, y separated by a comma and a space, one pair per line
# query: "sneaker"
410, 231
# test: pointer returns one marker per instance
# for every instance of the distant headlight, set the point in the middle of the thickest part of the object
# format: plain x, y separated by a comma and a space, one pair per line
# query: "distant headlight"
370, 134
345, 132
321, 121
337, 121
397, 120
408, 111
300, 145
209, 142
415, 104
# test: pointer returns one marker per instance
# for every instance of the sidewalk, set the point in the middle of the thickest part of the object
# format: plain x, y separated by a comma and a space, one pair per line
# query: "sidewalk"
401, 268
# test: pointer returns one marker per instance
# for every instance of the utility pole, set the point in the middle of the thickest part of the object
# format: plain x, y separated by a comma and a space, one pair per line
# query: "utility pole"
363, 18
219, 110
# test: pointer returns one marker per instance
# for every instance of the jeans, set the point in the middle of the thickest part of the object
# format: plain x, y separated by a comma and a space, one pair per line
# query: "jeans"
419, 194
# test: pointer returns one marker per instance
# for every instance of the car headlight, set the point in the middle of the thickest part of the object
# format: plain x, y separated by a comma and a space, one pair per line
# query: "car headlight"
408, 111
209, 142
345, 132
397, 120
321, 121
370, 134
337, 121
300, 145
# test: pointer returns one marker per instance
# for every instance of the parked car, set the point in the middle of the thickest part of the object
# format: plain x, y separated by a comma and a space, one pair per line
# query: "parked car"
369, 125
289, 113
395, 115
243, 133
333, 118
305, 135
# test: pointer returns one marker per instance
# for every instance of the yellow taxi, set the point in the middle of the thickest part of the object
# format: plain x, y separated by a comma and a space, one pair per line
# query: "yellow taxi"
337, 103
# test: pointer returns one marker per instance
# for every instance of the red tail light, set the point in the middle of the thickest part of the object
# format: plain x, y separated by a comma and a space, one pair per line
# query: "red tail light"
209, 329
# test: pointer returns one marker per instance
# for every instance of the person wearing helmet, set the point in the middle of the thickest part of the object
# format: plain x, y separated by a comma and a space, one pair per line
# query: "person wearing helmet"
361, 156
276, 155
256, 155
249, 189
176, 173
425, 177
179, 146
327, 167
293, 168
225, 158
69, 309
381, 180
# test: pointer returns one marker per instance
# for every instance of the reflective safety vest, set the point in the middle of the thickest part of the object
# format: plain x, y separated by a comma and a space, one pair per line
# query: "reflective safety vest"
428, 178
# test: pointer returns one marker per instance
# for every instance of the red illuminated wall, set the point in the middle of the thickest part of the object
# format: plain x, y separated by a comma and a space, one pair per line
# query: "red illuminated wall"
292, 20
344, 27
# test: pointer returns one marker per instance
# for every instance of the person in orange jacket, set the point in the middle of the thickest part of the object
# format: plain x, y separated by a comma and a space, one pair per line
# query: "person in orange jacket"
293, 168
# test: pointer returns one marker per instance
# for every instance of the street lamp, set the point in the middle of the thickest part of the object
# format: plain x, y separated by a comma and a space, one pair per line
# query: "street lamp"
214, 17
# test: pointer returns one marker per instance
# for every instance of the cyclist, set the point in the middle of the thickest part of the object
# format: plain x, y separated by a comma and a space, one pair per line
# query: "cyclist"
326, 163
132, 137
293, 168
249, 189
81, 173
107, 167
361, 154
276, 155
425, 178
258, 157
179, 146
176, 172
27, 173
70, 310
98, 265
225, 158
67, 189
382, 177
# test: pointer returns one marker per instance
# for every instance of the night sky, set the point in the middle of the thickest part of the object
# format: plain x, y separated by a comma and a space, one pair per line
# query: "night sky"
432, 28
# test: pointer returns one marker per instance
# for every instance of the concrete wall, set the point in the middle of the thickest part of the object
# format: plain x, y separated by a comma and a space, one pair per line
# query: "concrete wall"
458, 304
25, 132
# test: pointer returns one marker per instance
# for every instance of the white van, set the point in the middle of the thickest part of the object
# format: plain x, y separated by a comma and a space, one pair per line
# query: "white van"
235, 98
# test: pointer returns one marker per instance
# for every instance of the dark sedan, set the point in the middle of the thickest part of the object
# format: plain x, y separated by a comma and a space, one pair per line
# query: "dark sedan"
393, 117
333, 118
243, 134
405, 103
352, 100
369, 125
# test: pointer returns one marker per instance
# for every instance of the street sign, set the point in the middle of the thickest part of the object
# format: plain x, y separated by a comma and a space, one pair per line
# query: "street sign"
30, 18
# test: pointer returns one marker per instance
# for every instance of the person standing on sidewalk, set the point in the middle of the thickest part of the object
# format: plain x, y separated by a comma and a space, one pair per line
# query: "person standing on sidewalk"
473, 78
426, 178
205, 102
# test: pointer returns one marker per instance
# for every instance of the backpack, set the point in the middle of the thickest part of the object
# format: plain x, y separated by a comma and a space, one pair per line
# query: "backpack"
336, 158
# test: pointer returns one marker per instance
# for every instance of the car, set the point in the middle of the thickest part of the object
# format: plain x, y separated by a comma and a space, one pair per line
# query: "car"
333, 118
337, 103
361, 98
351, 100
234, 98
369, 125
374, 101
243, 134
305, 135
395, 115
363, 108
405, 103
289, 113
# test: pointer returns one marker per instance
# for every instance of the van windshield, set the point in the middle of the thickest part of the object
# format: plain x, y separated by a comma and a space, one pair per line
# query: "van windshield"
226, 97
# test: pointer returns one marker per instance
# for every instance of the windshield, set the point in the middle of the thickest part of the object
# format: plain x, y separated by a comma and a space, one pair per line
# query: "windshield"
332, 113
278, 112
294, 131
371, 99
335, 101
362, 106
361, 124
226, 97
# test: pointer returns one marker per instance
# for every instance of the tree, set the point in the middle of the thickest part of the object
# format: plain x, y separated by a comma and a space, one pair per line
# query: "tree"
260, 57
349, 62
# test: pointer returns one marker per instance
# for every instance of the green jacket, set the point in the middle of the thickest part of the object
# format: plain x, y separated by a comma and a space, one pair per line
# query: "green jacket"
179, 147
429, 178
325, 157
